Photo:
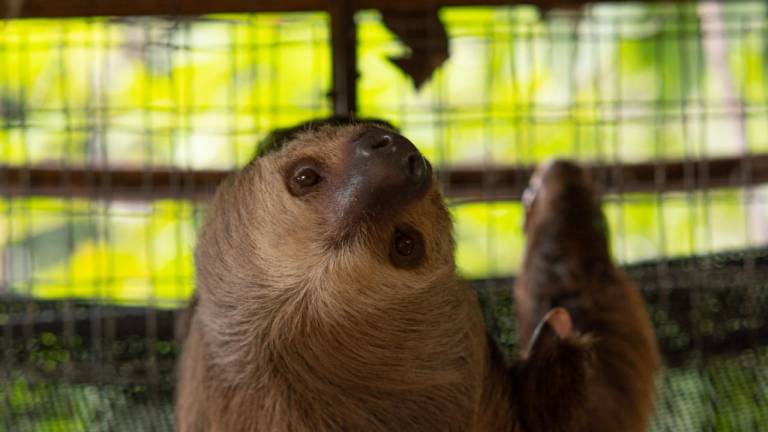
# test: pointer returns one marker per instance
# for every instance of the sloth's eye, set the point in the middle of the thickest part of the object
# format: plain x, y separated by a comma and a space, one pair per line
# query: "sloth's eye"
407, 248
306, 177
303, 180
404, 245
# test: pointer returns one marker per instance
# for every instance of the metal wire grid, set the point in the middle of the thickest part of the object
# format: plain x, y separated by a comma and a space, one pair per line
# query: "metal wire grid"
136, 91
118, 252
158, 123
607, 119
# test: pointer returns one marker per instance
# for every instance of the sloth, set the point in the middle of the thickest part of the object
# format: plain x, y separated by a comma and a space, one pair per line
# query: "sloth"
568, 266
328, 299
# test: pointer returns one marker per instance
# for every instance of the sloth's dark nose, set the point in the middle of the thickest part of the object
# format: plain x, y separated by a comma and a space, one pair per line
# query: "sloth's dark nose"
391, 162
383, 172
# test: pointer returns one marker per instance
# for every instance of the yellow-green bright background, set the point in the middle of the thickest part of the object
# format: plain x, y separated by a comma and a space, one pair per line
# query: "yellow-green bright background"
624, 83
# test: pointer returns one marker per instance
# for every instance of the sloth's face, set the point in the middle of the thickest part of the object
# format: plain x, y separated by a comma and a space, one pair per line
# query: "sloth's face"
553, 183
346, 203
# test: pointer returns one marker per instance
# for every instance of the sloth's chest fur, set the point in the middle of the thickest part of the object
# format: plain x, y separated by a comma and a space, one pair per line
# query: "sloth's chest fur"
409, 365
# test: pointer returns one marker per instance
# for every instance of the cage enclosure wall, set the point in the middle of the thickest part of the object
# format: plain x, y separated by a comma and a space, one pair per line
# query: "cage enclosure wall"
115, 130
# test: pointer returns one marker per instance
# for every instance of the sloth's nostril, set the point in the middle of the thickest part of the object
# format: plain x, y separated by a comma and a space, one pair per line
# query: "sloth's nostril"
413, 164
382, 142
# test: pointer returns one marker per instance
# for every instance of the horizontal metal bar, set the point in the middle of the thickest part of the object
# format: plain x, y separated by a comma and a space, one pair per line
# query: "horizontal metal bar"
90, 8
109, 183
467, 182
659, 176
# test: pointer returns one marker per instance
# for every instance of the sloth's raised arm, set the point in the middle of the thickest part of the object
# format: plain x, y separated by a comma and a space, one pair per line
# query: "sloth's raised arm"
589, 366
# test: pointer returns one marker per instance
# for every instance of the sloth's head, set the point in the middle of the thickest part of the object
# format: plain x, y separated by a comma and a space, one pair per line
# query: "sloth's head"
567, 243
562, 191
327, 207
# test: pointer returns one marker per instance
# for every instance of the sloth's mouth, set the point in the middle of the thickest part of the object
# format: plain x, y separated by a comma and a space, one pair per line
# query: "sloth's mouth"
406, 249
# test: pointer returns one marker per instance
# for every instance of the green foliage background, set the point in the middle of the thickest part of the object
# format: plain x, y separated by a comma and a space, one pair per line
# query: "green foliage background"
625, 83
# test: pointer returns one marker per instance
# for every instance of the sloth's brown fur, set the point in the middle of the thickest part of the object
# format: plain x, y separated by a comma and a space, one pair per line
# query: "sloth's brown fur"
295, 330
301, 323
568, 264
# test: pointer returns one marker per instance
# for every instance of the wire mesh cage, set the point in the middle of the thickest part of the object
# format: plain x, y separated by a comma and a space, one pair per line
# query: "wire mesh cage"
115, 131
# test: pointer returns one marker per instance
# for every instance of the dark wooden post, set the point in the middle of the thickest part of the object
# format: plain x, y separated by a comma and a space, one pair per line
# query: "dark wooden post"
344, 57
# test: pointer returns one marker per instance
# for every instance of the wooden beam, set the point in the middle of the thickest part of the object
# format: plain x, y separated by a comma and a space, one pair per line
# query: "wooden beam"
109, 184
92, 8
468, 183
499, 182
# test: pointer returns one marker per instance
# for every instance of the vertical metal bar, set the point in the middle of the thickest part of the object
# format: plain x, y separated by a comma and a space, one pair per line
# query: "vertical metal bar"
344, 58
7, 340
